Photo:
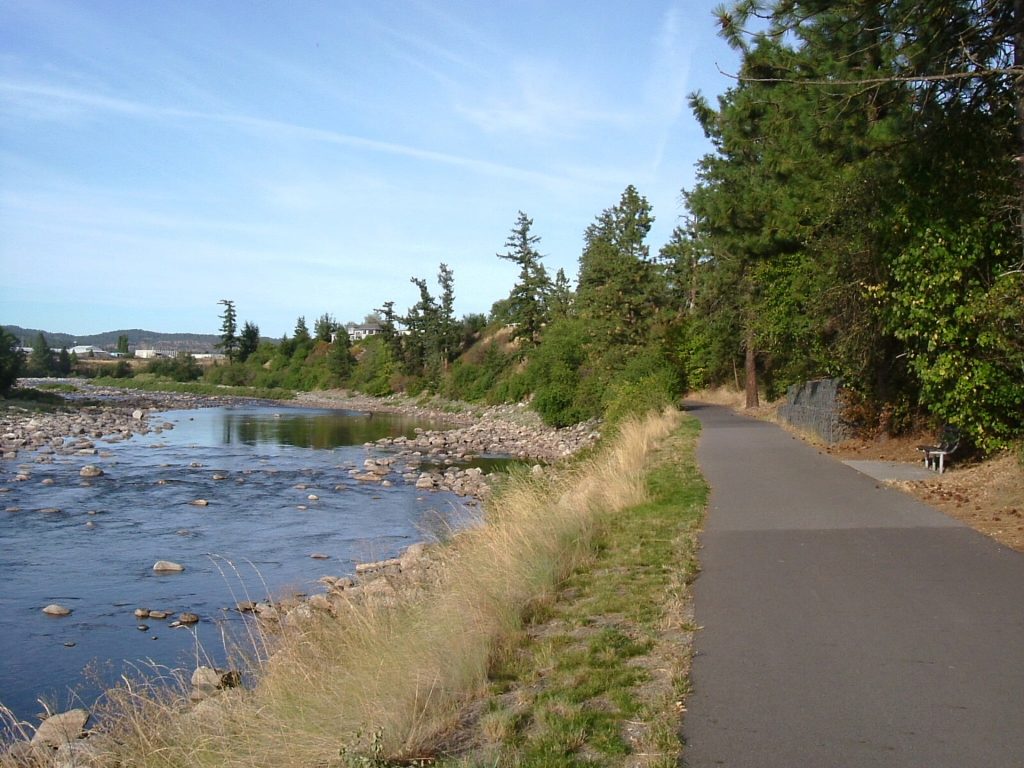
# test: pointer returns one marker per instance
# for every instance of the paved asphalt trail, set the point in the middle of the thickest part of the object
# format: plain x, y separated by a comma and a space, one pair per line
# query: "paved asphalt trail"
845, 624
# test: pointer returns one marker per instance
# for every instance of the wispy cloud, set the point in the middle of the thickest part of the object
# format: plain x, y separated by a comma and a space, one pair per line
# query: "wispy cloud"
667, 83
541, 100
56, 96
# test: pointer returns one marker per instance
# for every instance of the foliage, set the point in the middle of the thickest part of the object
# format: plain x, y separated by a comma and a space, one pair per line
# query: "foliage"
248, 341
12, 361
475, 381
324, 327
228, 339
620, 288
340, 360
181, 367
963, 340
375, 368
41, 362
557, 376
122, 345
527, 303
860, 214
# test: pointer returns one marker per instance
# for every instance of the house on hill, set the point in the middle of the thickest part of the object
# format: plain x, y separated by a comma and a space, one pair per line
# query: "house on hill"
364, 331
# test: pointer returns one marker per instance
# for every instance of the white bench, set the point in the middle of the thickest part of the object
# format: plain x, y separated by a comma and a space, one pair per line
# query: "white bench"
935, 455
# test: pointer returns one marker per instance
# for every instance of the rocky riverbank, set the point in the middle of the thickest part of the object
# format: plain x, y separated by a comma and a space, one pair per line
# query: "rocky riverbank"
498, 430
93, 414
433, 459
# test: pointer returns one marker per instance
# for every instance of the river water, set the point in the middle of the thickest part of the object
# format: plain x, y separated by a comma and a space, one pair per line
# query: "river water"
91, 545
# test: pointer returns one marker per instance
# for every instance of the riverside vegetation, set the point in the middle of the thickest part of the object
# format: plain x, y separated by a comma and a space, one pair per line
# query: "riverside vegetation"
554, 633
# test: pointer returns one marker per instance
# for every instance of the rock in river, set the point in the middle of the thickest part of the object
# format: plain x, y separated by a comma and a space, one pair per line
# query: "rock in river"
166, 566
53, 609
90, 470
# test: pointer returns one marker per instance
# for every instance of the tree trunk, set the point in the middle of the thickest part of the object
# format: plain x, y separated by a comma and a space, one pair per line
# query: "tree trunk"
751, 372
1018, 94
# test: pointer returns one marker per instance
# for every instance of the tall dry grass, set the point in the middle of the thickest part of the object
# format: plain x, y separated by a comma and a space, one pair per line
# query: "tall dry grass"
399, 675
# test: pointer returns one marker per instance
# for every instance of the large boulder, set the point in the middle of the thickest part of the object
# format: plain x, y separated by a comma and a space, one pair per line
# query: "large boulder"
57, 730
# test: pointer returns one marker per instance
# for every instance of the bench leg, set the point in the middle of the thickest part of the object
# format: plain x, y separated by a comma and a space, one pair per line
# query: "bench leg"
941, 467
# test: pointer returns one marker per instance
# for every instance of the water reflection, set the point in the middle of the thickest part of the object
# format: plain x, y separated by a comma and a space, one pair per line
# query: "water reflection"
256, 426
312, 429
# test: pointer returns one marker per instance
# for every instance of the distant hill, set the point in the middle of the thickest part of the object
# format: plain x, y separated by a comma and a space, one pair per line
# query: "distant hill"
137, 339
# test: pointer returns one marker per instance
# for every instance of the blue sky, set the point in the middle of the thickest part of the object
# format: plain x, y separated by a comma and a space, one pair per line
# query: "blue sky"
310, 157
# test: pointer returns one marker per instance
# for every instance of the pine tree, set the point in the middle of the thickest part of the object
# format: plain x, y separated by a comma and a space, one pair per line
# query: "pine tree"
619, 287
228, 339
527, 302
12, 361
41, 362
248, 341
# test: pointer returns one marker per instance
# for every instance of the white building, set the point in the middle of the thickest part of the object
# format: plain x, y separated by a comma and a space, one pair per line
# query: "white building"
360, 332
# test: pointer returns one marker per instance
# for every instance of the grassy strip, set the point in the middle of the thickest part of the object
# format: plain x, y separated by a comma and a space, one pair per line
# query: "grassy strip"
194, 388
599, 678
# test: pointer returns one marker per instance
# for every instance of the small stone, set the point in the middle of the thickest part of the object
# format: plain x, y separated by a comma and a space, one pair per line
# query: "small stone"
137, 414
187, 618
320, 556
70, 643
141, 613
90, 470
143, 627
200, 503
313, 497
55, 609
46, 481
166, 566
159, 614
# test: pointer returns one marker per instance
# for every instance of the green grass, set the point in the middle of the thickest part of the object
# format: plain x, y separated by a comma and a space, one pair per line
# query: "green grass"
600, 673
27, 398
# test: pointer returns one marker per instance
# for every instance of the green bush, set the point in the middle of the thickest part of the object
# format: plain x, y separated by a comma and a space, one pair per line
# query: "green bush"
182, 367
637, 397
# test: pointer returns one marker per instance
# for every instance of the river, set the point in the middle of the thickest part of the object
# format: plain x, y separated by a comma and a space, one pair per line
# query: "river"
278, 485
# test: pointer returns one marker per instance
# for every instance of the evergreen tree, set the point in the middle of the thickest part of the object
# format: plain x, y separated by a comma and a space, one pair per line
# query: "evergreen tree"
248, 341
228, 339
41, 362
527, 302
12, 361
449, 330
324, 327
387, 318
619, 287
63, 366
340, 361
301, 334
560, 299
122, 345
